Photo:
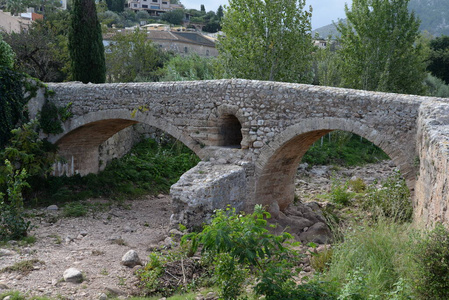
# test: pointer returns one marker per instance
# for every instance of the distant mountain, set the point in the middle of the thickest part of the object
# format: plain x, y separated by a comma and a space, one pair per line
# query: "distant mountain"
327, 31
434, 16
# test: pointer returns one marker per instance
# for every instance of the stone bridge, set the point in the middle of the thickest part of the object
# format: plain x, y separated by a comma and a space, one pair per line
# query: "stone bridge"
251, 136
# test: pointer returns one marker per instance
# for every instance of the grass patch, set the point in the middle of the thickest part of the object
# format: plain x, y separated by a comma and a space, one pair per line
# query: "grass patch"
372, 260
15, 295
23, 267
149, 168
74, 209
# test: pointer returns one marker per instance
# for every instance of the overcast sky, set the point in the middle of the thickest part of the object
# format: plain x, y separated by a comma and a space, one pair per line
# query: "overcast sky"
324, 11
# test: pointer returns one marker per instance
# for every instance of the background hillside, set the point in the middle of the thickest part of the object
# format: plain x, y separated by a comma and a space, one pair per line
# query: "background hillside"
434, 15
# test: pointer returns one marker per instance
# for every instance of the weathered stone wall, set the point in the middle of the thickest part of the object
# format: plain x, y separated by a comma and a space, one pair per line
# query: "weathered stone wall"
277, 123
432, 187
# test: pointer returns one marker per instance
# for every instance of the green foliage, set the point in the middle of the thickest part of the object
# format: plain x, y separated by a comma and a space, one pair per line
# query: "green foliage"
175, 17
14, 295
149, 168
12, 95
12, 223
439, 58
436, 87
343, 148
378, 47
15, 6
133, 57
320, 261
339, 193
74, 209
42, 50
327, 65
116, 5
372, 262
192, 67
26, 151
392, 200
240, 246
51, 117
280, 44
86, 44
6, 54
357, 185
432, 257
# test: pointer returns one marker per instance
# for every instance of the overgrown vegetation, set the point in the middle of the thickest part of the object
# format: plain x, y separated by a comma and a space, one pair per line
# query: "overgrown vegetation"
344, 149
432, 261
149, 168
240, 251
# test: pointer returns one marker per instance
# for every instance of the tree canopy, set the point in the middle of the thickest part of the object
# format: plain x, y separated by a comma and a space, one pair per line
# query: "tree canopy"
6, 54
267, 40
439, 58
378, 47
86, 43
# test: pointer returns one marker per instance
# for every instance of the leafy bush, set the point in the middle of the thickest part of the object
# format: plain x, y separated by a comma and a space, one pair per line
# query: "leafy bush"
12, 223
240, 247
7, 55
432, 257
392, 200
339, 193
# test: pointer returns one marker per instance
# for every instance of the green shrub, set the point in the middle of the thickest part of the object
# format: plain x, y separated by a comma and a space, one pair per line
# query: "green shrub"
7, 55
392, 200
357, 185
241, 248
432, 257
12, 223
339, 193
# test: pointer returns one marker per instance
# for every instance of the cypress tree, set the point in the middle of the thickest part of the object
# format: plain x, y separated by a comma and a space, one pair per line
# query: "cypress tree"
86, 44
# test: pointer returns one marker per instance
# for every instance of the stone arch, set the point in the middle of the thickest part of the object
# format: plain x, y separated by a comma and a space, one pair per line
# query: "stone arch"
278, 161
229, 127
82, 136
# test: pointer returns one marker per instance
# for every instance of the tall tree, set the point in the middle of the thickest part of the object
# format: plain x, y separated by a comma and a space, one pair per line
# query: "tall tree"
202, 8
267, 40
378, 48
220, 13
86, 44
439, 58
175, 17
